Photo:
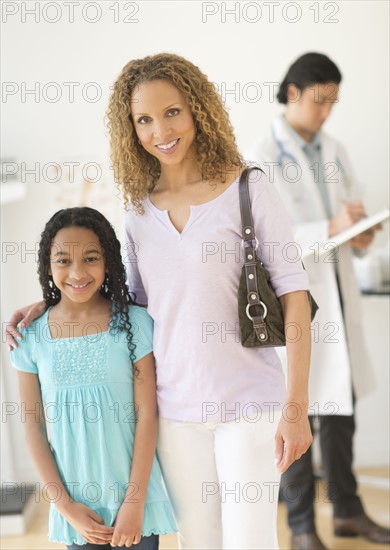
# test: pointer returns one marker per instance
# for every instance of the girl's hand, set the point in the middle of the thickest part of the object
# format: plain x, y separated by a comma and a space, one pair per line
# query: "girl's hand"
293, 437
128, 525
87, 523
21, 318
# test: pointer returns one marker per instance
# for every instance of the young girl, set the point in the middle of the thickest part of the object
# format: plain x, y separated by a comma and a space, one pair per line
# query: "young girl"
87, 366
220, 404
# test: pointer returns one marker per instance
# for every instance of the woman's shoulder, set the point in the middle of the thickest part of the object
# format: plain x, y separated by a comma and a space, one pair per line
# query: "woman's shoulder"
258, 181
133, 211
264, 197
136, 219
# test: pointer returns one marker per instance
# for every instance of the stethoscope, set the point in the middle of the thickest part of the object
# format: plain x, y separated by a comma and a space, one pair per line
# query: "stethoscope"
283, 153
285, 157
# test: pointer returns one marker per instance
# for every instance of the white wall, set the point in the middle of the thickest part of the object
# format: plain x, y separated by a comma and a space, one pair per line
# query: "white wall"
228, 52
232, 49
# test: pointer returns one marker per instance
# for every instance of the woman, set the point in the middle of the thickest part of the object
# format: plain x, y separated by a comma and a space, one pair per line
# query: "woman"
220, 404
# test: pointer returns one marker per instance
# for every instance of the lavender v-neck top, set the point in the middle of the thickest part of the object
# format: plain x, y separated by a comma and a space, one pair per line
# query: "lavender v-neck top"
189, 281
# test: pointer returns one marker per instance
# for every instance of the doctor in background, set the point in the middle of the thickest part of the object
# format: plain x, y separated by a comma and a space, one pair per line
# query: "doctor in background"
313, 176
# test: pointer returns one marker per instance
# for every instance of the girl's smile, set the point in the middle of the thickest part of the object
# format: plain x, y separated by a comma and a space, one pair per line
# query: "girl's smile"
79, 288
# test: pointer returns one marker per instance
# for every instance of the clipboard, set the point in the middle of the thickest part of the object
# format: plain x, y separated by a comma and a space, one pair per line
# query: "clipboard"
355, 229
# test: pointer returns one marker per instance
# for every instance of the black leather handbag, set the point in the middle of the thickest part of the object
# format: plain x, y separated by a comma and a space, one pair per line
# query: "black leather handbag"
259, 310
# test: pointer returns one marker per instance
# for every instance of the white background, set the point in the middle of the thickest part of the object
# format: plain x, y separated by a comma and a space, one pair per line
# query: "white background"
240, 47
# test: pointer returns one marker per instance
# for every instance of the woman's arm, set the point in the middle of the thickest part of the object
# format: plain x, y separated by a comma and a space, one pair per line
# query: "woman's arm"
84, 520
21, 318
293, 437
128, 524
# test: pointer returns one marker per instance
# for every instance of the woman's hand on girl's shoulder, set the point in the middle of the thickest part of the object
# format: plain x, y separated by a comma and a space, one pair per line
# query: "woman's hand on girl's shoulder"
87, 523
128, 524
21, 318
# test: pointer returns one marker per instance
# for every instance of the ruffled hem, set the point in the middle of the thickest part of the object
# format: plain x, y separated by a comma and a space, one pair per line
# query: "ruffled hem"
158, 520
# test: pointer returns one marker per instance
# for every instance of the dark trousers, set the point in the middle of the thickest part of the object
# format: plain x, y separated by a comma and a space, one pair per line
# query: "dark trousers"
146, 543
298, 483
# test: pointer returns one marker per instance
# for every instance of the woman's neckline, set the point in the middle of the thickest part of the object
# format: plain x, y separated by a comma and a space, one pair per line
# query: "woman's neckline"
200, 205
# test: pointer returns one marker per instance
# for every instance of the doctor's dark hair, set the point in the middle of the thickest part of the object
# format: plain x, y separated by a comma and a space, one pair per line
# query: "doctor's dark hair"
311, 68
114, 286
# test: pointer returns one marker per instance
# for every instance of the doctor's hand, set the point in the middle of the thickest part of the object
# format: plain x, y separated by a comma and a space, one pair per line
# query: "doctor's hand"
293, 438
363, 241
349, 213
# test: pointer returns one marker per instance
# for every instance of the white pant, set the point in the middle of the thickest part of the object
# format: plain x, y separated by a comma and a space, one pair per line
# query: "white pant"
222, 481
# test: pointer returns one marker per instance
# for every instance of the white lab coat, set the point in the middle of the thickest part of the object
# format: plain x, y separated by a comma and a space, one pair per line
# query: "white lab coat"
333, 364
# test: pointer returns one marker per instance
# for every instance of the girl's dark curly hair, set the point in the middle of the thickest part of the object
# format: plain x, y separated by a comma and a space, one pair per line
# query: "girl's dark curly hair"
114, 287
136, 171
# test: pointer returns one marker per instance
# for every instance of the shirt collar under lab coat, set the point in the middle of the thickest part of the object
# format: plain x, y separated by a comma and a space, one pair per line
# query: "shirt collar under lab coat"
307, 148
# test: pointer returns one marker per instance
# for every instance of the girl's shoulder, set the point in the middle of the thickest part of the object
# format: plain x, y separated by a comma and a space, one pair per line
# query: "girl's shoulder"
24, 357
140, 320
142, 331
140, 315
36, 332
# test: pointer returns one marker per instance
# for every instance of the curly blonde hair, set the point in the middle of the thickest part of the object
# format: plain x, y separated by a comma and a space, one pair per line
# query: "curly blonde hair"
135, 169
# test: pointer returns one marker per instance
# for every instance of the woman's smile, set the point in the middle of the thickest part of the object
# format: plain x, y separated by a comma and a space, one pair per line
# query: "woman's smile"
168, 147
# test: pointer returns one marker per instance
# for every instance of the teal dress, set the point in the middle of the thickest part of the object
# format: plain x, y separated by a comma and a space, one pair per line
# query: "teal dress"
87, 393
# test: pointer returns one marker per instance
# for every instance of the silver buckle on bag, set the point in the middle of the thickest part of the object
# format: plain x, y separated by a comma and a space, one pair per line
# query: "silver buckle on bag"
261, 304
256, 244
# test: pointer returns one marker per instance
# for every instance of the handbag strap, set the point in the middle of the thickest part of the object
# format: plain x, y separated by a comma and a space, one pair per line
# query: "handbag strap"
248, 231
250, 244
